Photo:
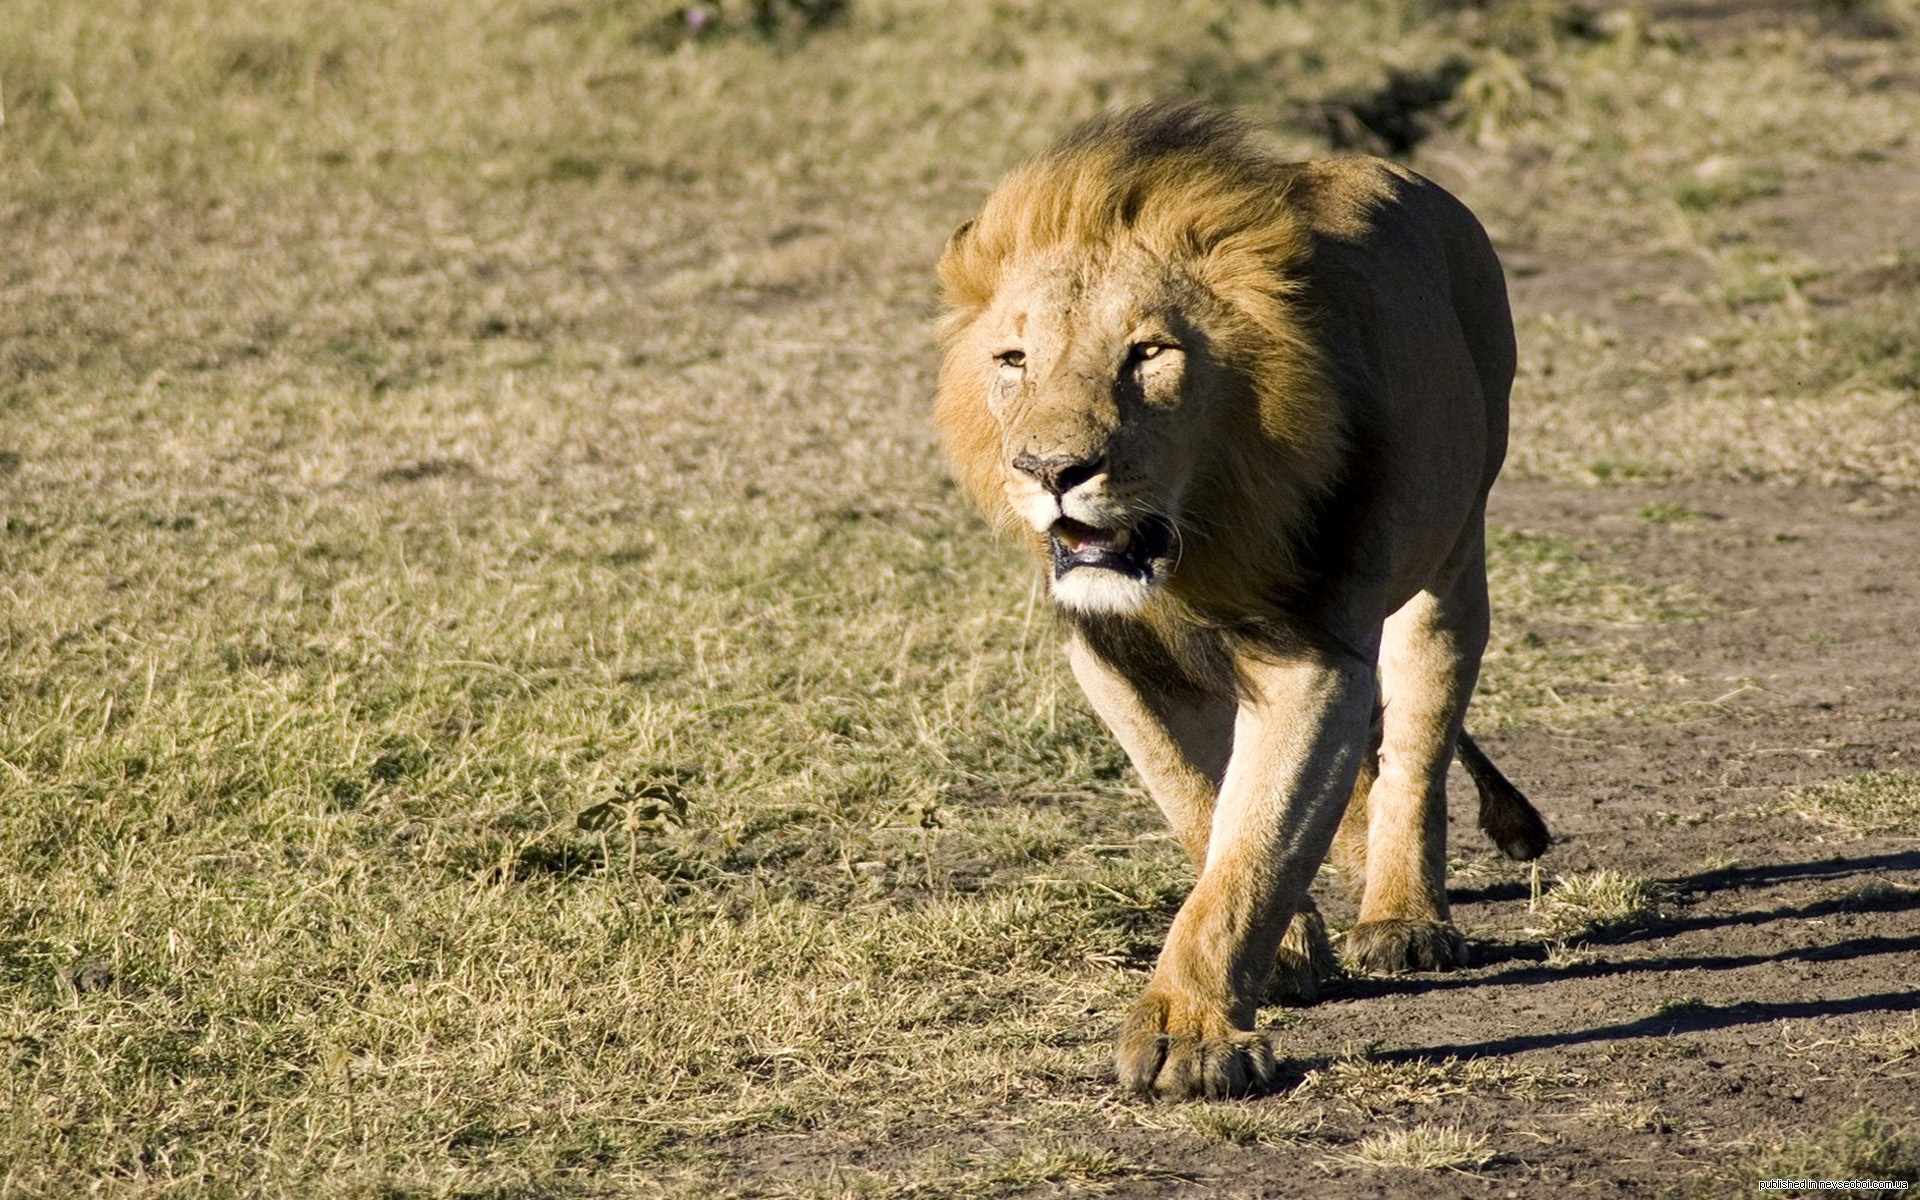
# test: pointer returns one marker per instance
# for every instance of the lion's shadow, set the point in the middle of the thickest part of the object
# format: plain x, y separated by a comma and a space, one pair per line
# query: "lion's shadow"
1693, 1017
1525, 963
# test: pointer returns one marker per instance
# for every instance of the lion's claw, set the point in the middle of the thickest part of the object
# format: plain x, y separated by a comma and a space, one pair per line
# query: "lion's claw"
1394, 945
1162, 1054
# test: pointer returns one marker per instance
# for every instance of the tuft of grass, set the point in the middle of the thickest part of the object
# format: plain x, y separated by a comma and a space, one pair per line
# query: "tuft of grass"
1632, 1116
1706, 195
1377, 1085
1048, 1165
1579, 908
1564, 954
1669, 512
1679, 1006
1865, 1146
1876, 895
1423, 1147
1242, 1124
1871, 802
1051, 1163
1898, 1043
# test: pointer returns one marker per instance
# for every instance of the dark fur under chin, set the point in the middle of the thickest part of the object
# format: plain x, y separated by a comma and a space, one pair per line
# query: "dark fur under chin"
1181, 648
1160, 643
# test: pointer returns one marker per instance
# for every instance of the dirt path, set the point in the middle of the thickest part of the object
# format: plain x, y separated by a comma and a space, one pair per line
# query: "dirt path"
1757, 1009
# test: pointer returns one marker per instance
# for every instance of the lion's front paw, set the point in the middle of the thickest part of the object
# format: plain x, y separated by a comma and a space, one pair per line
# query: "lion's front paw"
1397, 944
1305, 961
1168, 1049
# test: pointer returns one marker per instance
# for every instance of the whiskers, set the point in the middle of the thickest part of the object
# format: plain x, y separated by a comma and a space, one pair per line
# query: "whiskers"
1182, 526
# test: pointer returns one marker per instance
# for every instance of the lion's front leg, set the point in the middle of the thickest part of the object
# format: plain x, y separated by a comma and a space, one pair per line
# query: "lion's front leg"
1179, 737
1177, 734
1298, 741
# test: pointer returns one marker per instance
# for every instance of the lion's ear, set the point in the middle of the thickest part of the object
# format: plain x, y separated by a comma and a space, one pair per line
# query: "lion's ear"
966, 280
956, 239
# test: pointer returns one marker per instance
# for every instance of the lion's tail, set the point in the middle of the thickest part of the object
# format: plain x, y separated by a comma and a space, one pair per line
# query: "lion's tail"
1506, 815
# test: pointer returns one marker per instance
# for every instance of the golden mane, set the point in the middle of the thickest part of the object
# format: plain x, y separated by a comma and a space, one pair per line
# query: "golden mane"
1188, 184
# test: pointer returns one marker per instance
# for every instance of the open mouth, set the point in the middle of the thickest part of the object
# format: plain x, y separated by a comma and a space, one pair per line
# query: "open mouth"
1128, 551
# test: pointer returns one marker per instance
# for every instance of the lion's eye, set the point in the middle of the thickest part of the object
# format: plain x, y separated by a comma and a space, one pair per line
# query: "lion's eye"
1141, 352
1013, 360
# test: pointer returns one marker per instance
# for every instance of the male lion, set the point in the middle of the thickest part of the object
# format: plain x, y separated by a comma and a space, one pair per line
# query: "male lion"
1249, 411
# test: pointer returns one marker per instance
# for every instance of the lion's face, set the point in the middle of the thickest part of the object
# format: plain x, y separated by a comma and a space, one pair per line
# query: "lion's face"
1096, 377
1129, 380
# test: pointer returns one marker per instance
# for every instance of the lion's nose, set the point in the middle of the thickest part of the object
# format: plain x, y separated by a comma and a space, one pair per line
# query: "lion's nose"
1059, 473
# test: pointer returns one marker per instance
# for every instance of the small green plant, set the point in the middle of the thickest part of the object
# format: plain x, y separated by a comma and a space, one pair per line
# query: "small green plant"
637, 810
1669, 512
1680, 1006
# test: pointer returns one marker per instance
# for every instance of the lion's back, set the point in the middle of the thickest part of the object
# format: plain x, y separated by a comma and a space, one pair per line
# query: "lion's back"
1400, 255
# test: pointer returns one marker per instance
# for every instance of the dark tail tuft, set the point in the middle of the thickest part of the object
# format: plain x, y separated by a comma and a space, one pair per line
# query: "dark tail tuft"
1506, 816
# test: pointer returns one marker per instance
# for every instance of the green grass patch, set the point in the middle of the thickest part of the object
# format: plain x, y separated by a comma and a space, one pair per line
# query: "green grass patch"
1876, 801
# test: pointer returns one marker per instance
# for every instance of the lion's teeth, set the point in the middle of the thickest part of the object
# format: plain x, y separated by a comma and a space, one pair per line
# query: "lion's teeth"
1076, 537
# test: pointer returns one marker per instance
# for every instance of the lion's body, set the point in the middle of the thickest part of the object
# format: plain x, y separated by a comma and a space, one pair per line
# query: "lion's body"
1252, 409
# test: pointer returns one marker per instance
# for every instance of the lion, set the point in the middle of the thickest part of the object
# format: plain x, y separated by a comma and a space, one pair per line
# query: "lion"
1247, 413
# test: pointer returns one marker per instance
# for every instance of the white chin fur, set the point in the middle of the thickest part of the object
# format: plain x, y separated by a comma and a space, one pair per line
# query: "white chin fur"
1094, 590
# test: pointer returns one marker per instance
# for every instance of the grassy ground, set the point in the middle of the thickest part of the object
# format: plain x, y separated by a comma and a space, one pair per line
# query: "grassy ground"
497, 697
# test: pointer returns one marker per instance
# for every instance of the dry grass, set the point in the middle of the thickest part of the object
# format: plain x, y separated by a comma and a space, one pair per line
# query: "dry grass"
1423, 1147
1630, 1115
1863, 1147
1572, 647
1275, 1123
1578, 908
1380, 1085
1045, 1165
423, 424
1897, 1045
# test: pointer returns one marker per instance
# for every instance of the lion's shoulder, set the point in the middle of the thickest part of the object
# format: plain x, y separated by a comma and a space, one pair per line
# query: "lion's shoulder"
1361, 199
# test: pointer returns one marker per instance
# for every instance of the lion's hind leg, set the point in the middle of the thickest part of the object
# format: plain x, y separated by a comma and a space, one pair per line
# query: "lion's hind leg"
1349, 851
1306, 959
1429, 660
